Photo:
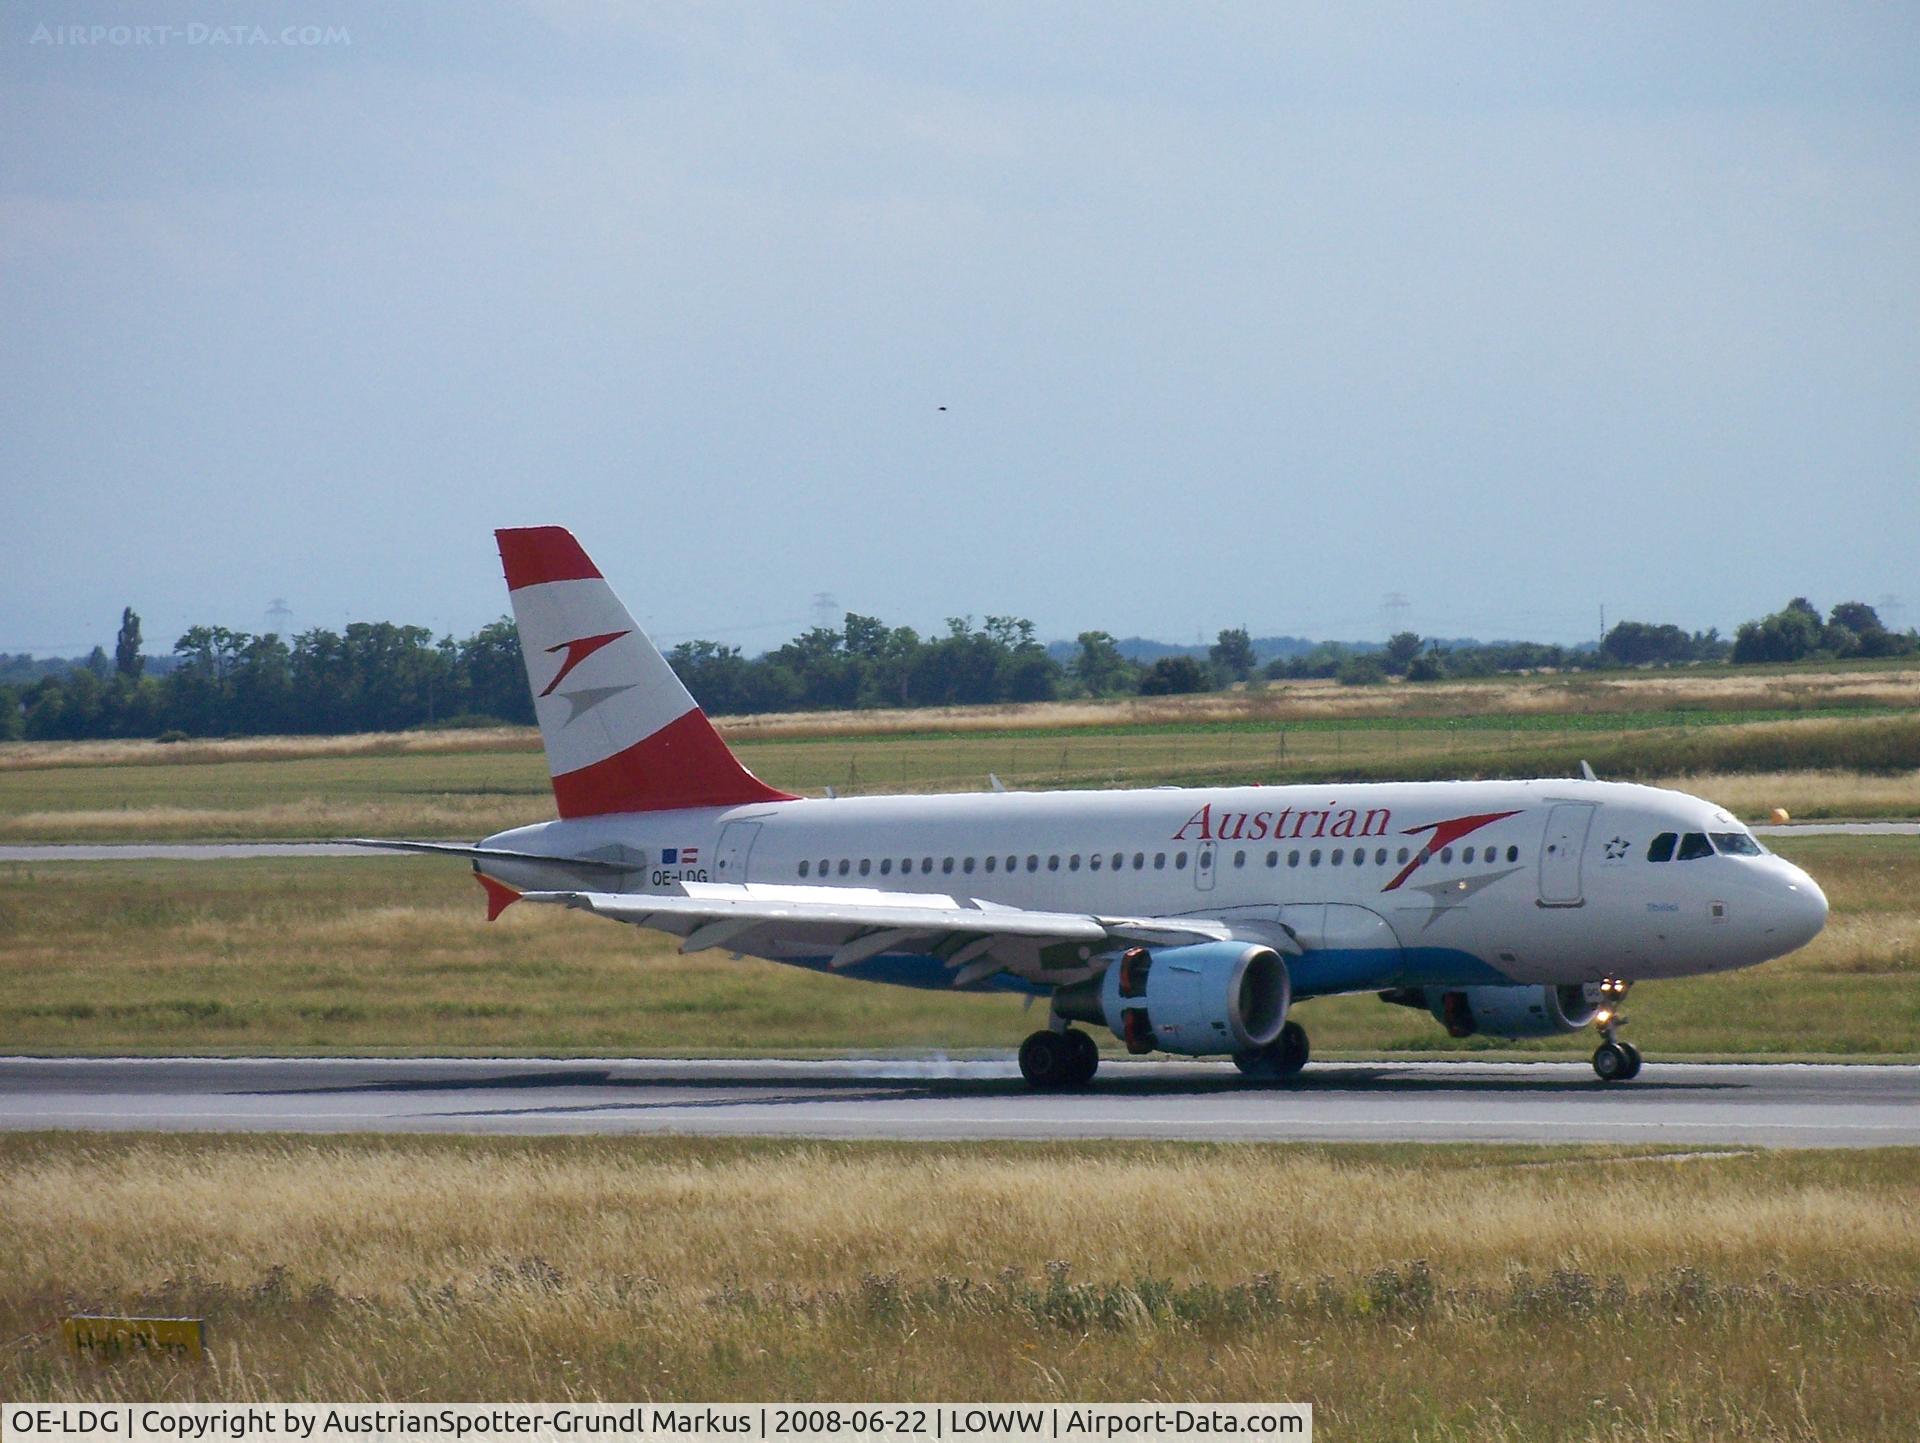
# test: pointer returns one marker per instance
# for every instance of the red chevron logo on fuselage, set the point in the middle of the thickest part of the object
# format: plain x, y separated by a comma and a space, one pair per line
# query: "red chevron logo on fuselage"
1445, 834
578, 651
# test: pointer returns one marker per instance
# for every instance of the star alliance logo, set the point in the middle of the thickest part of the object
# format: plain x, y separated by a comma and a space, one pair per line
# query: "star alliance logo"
1617, 849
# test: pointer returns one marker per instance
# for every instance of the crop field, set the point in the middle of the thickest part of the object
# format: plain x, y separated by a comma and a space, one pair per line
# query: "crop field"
467, 785
1438, 1293
394, 954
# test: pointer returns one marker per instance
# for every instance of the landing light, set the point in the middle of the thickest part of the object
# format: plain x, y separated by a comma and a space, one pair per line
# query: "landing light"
1605, 1014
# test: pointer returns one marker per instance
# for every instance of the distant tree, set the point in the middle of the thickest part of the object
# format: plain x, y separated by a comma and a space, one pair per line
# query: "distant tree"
1428, 666
1232, 654
1173, 676
1402, 647
12, 718
1789, 634
491, 677
1100, 668
1639, 643
127, 660
1361, 671
97, 663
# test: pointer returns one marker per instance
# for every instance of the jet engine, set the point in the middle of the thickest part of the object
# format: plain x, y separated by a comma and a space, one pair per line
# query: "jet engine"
1206, 999
1506, 1011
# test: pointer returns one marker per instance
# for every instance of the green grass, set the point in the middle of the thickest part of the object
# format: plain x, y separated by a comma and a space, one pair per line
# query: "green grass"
471, 793
1576, 1293
370, 955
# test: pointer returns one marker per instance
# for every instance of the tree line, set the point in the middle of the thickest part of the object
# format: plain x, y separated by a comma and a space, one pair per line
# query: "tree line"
379, 676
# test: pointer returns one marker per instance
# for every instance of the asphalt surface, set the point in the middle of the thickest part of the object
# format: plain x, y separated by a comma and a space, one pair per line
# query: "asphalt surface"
1772, 1105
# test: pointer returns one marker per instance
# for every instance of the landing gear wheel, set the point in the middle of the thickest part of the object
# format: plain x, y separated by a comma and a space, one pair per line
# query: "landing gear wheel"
1046, 1060
1083, 1058
1281, 1058
1613, 1062
1633, 1061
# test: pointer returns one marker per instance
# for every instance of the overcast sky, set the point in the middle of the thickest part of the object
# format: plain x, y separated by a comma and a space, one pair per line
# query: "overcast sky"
1239, 314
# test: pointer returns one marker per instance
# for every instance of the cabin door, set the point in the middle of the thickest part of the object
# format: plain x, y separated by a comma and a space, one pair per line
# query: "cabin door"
735, 843
1560, 854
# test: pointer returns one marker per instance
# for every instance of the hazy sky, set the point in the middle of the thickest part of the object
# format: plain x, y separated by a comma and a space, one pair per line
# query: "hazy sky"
1240, 313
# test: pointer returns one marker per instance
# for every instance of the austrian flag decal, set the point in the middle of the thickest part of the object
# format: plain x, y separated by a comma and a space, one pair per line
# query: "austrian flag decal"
679, 856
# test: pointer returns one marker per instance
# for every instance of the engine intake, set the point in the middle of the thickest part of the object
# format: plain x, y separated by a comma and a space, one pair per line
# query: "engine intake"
1204, 1000
1506, 1011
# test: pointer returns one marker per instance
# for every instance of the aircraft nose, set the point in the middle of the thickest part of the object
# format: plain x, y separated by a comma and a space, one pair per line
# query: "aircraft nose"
1803, 909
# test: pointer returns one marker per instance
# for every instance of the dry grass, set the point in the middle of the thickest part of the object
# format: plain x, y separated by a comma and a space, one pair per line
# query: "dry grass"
357, 955
1438, 1293
1808, 796
37, 756
465, 793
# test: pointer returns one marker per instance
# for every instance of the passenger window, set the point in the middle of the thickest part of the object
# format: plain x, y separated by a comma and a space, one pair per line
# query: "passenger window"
866, 865
1313, 857
1513, 854
803, 869
1012, 863
1735, 844
1094, 862
1403, 856
886, 866
1053, 862
1273, 859
1293, 857
1139, 861
967, 866
1033, 863
926, 865
1119, 860
1661, 848
1380, 856
946, 865
845, 866
1239, 859
1179, 860
992, 862
1446, 854
1467, 856
1339, 856
1693, 847
1073, 862
1159, 861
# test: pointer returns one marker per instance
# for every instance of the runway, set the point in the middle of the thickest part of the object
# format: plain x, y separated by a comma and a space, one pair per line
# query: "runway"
1771, 1105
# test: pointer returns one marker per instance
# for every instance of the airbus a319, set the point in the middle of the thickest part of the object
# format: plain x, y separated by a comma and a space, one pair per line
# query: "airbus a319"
1184, 921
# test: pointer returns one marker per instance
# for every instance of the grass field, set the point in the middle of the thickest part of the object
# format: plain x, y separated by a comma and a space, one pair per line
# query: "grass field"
1407, 1292
461, 785
366, 955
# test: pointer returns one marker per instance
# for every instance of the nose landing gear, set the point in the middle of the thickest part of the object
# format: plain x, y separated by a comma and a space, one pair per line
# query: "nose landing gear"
1614, 1060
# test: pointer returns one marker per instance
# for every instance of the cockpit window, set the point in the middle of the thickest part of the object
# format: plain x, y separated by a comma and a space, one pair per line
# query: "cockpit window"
1661, 848
1735, 844
1694, 846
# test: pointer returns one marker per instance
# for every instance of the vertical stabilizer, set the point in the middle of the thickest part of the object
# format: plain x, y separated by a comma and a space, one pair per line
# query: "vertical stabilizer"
622, 734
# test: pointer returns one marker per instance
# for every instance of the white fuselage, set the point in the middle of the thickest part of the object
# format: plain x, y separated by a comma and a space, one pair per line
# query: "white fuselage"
1379, 885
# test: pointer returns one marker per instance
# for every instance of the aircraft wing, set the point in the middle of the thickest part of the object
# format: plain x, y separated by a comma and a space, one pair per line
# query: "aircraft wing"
852, 924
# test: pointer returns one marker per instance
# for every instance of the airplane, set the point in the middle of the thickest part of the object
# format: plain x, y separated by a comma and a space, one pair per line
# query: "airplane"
1186, 921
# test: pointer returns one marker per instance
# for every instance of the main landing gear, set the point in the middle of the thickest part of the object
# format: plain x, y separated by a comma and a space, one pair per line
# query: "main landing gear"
1053, 1060
1279, 1059
1614, 1060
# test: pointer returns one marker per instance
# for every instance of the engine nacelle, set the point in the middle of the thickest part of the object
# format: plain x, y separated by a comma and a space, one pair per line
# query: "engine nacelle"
1507, 1011
1207, 999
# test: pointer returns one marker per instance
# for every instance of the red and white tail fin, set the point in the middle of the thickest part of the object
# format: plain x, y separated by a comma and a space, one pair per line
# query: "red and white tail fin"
622, 734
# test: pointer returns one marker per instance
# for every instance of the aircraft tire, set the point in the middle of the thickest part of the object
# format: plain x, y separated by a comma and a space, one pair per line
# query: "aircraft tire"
1633, 1062
1083, 1057
1278, 1060
1612, 1062
1046, 1060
